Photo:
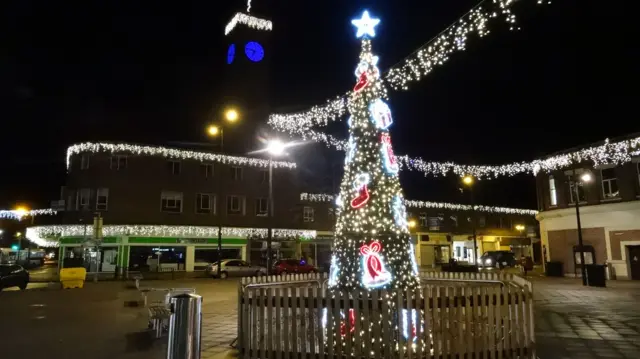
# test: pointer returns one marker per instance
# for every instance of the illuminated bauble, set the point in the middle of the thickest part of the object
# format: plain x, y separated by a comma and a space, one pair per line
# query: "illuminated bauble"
254, 51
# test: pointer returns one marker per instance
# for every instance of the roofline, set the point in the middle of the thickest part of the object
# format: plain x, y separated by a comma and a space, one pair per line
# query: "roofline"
593, 144
171, 153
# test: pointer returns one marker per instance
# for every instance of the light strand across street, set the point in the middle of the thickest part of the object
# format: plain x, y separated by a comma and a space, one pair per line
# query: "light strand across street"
323, 197
17, 214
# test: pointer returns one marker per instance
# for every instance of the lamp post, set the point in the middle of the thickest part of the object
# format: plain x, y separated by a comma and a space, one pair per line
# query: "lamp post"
585, 178
230, 115
468, 181
274, 148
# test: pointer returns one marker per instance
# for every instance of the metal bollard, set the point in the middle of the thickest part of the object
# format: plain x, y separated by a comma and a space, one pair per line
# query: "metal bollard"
185, 327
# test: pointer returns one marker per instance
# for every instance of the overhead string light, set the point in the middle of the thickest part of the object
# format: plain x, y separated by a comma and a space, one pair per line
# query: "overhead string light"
414, 67
47, 236
19, 214
323, 197
173, 153
248, 20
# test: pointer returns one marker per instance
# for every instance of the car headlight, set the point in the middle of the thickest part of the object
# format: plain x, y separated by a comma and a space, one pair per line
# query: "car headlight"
488, 261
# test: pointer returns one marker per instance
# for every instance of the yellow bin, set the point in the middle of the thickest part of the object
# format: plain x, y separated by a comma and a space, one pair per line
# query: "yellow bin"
72, 277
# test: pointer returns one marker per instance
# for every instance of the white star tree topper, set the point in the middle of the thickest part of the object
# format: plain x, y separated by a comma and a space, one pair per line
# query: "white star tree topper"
366, 25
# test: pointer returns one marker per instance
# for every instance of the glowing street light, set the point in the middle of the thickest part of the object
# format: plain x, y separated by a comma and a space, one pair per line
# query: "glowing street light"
412, 223
468, 180
519, 227
586, 177
231, 115
214, 130
276, 147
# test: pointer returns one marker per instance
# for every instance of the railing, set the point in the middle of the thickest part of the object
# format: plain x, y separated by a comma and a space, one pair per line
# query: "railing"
482, 317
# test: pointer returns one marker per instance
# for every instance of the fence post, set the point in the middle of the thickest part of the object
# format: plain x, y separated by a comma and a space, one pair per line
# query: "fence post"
185, 327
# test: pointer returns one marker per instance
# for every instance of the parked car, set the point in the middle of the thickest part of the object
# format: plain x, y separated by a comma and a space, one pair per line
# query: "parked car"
285, 266
13, 275
497, 259
235, 268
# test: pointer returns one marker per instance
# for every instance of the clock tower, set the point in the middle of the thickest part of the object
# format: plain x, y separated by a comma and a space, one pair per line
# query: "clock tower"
247, 66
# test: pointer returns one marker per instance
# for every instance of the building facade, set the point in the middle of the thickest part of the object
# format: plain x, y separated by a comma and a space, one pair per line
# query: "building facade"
135, 207
444, 231
609, 211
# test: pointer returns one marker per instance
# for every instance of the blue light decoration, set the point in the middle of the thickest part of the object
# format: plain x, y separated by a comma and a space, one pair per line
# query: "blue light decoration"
334, 270
381, 114
410, 320
351, 150
374, 273
231, 53
390, 160
399, 212
254, 51
412, 255
366, 25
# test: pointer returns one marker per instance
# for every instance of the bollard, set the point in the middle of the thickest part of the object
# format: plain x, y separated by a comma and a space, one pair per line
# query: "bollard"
185, 327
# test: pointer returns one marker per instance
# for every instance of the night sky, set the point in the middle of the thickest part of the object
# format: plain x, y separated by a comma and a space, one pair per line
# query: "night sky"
148, 71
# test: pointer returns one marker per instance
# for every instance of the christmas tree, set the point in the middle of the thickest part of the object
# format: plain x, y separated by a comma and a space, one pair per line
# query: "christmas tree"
372, 244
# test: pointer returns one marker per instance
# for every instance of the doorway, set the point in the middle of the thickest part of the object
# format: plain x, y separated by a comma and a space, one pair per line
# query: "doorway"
634, 261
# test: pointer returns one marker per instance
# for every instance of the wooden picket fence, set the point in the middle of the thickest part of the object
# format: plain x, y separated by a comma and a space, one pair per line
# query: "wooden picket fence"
295, 316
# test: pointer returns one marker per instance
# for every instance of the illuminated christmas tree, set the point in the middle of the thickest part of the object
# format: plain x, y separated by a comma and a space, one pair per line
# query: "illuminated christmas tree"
372, 244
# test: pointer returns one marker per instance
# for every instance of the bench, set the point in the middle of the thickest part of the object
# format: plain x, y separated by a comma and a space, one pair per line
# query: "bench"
159, 319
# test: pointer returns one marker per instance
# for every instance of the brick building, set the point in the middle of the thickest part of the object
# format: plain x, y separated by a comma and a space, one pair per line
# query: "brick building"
609, 209
163, 207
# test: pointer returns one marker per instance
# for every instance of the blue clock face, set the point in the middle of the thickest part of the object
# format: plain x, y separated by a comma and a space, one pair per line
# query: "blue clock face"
231, 53
254, 51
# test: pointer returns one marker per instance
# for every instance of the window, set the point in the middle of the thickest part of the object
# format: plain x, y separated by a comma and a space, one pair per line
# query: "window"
423, 220
171, 202
205, 203
82, 201
236, 173
102, 199
262, 207
264, 175
206, 170
454, 219
308, 214
84, 161
174, 167
482, 221
435, 222
118, 162
572, 187
609, 183
553, 194
332, 213
235, 205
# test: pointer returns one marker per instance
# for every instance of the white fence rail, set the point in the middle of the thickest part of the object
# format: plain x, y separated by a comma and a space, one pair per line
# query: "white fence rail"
454, 314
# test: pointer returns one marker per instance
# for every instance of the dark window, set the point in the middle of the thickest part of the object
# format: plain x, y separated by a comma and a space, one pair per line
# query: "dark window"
262, 207
171, 202
118, 162
236, 173
206, 170
264, 175
205, 203
174, 167
84, 161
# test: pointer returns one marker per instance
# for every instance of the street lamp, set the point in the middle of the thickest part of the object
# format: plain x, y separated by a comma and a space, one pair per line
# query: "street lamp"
584, 178
519, 228
213, 130
412, 223
275, 148
468, 181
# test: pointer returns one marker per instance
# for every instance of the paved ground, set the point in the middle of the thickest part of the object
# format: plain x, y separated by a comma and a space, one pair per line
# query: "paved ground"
571, 321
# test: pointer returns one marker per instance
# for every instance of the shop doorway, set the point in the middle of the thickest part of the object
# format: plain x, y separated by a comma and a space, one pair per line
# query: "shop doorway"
634, 262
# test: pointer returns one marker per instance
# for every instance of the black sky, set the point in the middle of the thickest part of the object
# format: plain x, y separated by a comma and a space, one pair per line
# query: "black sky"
146, 71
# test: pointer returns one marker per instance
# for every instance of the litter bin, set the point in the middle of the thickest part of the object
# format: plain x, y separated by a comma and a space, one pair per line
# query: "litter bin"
596, 275
554, 269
